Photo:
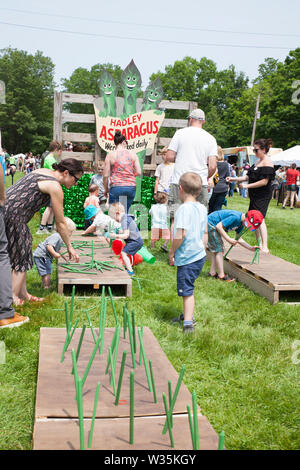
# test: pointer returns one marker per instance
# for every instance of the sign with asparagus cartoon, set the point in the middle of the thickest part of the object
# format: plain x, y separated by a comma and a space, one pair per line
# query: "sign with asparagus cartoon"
140, 126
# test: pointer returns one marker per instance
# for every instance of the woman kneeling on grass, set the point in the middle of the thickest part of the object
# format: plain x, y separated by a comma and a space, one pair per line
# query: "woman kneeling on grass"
23, 199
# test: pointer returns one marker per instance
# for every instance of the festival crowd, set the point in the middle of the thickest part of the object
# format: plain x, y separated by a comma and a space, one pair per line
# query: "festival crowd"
192, 185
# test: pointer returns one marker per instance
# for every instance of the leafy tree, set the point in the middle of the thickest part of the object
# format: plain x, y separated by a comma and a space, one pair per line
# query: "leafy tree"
279, 105
84, 81
26, 117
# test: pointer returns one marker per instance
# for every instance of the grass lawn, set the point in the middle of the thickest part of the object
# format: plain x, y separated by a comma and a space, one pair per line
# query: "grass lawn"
239, 361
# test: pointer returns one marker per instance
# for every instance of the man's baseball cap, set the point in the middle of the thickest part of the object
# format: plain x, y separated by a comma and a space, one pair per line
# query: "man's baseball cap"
90, 211
253, 220
197, 114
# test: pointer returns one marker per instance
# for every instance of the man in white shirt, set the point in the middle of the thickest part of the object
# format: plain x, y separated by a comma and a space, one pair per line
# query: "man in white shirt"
193, 150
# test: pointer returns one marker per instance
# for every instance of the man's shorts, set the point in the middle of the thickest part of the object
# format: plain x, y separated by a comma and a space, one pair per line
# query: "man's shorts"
186, 276
160, 234
215, 241
292, 187
174, 199
43, 265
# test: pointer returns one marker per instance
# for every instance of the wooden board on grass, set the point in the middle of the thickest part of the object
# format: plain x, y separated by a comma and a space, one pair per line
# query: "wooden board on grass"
113, 434
113, 277
55, 396
269, 278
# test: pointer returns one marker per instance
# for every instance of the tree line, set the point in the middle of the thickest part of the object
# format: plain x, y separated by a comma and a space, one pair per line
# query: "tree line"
227, 97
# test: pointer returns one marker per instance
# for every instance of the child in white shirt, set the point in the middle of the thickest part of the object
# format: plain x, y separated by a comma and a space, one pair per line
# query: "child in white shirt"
160, 221
163, 175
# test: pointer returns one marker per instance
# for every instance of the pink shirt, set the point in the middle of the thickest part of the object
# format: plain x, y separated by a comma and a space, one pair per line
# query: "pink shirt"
122, 171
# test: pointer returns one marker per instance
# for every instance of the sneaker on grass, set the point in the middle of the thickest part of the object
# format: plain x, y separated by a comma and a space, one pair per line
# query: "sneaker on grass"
181, 318
16, 320
188, 329
42, 230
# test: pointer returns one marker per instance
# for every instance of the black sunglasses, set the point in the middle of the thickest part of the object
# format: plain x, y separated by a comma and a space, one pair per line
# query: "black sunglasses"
74, 176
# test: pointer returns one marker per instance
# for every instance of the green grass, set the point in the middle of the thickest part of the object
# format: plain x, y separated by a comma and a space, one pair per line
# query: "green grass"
239, 361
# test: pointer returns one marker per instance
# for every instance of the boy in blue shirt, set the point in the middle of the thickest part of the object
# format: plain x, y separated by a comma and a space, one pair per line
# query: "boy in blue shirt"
130, 234
187, 250
221, 222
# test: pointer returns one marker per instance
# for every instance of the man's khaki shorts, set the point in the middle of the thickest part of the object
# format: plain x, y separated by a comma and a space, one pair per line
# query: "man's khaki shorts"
174, 199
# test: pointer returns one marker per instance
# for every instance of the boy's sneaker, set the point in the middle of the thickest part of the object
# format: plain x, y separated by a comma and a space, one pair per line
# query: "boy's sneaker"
42, 230
50, 228
181, 318
131, 273
187, 329
164, 248
16, 320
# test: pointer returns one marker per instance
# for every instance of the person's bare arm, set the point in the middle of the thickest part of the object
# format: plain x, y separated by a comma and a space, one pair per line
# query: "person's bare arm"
106, 172
176, 243
53, 252
238, 179
90, 229
137, 166
212, 165
156, 184
119, 236
2, 188
171, 156
258, 184
224, 234
55, 192
246, 245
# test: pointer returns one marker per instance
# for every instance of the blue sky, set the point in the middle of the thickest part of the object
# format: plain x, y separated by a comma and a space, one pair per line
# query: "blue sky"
158, 30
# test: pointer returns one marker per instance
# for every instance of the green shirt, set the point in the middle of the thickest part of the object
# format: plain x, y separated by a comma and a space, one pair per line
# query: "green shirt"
12, 160
49, 160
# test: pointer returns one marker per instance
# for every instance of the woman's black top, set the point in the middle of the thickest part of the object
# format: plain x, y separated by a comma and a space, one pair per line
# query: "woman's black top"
260, 197
223, 172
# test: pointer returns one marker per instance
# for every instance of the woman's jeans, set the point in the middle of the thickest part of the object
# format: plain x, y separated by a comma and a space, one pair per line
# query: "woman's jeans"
123, 194
216, 202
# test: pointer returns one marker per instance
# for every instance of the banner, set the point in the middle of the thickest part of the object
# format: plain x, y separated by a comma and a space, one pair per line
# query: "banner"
140, 129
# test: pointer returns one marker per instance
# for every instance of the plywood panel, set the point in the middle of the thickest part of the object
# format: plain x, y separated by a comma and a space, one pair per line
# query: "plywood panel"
113, 434
56, 391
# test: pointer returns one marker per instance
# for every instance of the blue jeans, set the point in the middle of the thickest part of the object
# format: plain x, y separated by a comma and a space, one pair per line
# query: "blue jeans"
123, 194
231, 189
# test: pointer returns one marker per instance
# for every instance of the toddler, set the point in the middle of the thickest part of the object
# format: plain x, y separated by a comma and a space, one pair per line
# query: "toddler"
49, 249
130, 234
98, 222
160, 223
163, 175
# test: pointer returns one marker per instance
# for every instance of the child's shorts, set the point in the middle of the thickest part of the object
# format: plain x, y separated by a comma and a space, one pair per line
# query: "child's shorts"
132, 247
160, 233
43, 265
215, 241
186, 276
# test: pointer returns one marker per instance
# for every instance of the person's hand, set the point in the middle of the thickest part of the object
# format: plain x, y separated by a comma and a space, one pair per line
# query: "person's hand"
228, 179
254, 248
244, 186
233, 242
171, 258
73, 256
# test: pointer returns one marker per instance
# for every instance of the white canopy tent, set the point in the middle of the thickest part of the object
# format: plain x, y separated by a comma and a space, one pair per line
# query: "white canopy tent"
287, 157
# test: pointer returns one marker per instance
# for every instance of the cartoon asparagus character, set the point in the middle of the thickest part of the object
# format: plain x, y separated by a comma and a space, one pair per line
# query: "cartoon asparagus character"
108, 91
131, 82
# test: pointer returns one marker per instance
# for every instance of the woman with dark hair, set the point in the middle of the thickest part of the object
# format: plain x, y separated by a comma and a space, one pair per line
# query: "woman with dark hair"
259, 184
23, 199
123, 166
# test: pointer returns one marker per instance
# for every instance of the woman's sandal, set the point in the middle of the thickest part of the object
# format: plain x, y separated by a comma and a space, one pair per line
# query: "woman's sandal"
214, 276
19, 302
32, 298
